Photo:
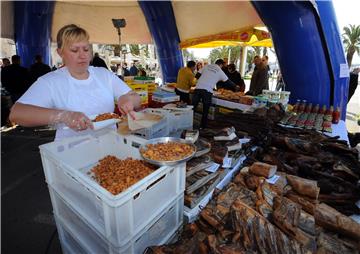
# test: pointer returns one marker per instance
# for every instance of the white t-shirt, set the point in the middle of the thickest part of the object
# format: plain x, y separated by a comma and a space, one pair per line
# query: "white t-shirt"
210, 75
93, 96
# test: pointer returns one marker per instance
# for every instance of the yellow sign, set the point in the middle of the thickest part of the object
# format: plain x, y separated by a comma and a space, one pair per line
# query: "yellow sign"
246, 37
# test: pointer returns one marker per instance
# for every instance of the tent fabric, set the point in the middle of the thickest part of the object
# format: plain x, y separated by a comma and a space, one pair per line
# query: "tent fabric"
193, 19
160, 14
202, 18
95, 18
240, 37
7, 19
32, 29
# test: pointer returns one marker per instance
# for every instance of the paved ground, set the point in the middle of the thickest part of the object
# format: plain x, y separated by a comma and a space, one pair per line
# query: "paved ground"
27, 224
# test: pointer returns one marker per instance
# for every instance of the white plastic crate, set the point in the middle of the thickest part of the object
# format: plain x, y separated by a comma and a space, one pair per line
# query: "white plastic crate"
174, 98
117, 217
158, 130
181, 119
77, 236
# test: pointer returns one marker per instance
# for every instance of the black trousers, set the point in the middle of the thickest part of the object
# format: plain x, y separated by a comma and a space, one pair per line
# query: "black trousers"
205, 97
185, 97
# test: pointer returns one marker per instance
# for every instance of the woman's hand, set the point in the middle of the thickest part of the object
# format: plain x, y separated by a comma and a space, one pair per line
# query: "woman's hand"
128, 102
75, 120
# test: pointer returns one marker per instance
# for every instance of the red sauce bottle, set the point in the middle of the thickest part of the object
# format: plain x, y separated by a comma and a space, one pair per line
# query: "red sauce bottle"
296, 106
322, 110
308, 108
315, 109
336, 115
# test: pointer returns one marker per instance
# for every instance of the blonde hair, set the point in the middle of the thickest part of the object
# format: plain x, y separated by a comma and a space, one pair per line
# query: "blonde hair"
69, 34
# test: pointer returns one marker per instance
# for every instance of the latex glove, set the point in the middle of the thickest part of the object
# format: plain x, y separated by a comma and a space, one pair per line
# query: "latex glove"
75, 120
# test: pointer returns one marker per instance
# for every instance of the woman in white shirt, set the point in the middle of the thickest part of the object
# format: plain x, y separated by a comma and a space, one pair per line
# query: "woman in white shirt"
69, 95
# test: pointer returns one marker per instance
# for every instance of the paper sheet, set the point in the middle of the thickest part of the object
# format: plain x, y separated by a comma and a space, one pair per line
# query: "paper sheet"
273, 179
344, 71
143, 120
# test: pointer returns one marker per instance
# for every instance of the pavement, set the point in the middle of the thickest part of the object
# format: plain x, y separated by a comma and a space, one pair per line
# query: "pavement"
27, 223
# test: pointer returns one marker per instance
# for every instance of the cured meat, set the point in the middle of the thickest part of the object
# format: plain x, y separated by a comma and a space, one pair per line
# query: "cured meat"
330, 244
331, 219
263, 169
287, 217
257, 234
307, 204
304, 186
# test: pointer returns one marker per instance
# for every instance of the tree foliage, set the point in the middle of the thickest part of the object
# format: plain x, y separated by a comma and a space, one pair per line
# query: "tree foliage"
223, 52
351, 40
134, 49
188, 55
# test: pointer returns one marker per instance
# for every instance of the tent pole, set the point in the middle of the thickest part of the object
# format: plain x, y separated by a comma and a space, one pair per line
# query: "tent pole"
243, 61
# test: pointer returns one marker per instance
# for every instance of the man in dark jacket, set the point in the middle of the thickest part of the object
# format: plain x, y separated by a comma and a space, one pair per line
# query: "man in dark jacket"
15, 78
353, 83
260, 78
133, 70
38, 69
98, 62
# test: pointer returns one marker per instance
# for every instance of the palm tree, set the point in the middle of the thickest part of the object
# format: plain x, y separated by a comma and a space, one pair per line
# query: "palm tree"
351, 40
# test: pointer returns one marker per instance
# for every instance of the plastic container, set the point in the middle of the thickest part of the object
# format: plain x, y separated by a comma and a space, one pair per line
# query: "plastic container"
285, 95
117, 217
180, 119
165, 99
78, 236
158, 130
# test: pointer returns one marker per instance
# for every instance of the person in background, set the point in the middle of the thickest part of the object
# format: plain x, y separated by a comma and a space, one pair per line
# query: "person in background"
280, 85
207, 79
70, 95
354, 138
142, 72
98, 62
353, 83
260, 78
133, 70
199, 66
126, 72
256, 61
185, 80
235, 77
225, 66
265, 60
5, 62
38, 69
15, 78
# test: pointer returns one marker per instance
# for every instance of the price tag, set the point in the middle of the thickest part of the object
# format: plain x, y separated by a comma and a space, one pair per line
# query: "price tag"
355, 217
273, 179
358, 203
344, 71
213, 168
227, 162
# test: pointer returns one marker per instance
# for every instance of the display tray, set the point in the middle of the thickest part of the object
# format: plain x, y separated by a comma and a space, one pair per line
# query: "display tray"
162, 140
202, 147
100, 124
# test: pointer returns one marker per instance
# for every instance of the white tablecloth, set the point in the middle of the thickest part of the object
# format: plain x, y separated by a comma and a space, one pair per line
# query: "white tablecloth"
230, 104
339, 130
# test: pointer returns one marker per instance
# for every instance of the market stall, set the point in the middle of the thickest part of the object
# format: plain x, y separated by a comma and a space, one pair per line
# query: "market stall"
245, 163
297, 194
